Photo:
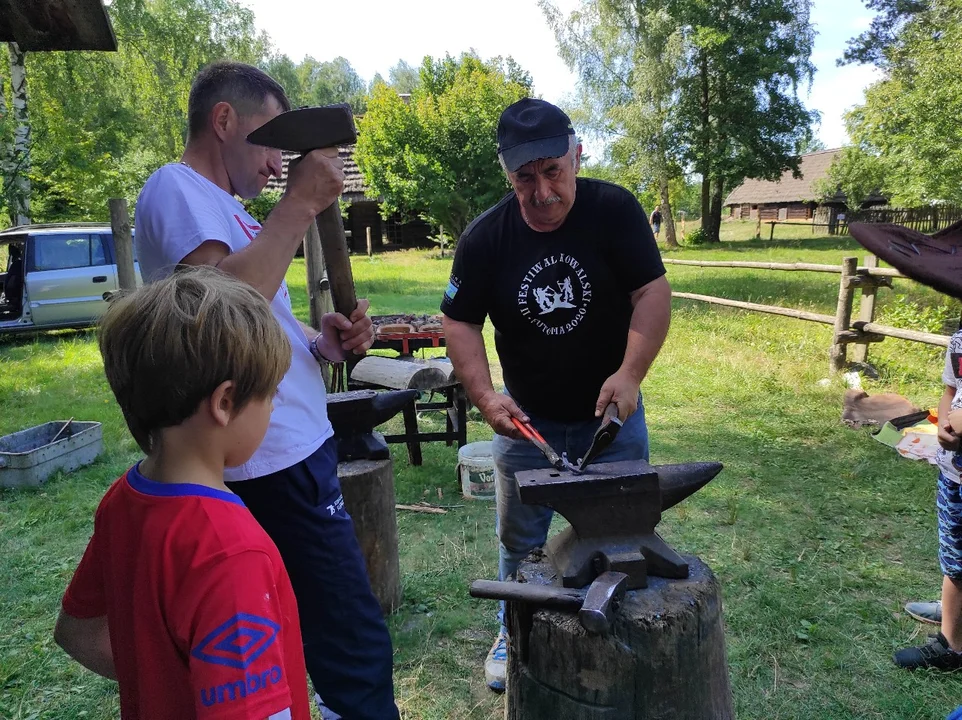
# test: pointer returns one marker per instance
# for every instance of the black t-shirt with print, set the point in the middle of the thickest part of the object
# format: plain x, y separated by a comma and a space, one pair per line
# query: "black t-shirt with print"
559, 301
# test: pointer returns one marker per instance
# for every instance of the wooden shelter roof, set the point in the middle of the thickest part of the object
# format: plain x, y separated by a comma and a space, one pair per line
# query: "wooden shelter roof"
814, 167
354, 188
56, 25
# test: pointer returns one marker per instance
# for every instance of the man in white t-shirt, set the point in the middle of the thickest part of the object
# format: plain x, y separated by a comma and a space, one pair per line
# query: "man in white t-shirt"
188, 213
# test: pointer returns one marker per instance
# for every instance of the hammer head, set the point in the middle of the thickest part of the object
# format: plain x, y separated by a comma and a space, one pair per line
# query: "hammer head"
603, 596
308, 129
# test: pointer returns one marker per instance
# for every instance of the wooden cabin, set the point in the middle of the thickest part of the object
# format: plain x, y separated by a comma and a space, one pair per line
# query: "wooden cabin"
790, 198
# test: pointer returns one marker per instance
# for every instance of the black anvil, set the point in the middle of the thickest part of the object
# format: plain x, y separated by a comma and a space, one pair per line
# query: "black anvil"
613, 509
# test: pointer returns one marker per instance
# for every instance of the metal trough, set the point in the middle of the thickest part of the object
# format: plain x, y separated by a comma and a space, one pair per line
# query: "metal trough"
30, 456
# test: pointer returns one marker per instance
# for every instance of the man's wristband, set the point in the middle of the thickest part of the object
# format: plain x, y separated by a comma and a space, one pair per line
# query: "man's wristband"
312, 345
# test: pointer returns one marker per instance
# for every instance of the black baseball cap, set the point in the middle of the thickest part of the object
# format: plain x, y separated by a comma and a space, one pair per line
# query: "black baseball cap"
532, 129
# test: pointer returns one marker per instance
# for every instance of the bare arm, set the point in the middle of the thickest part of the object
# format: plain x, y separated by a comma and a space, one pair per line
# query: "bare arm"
650, 317
313, 185
947, 437
466, 349
87, 641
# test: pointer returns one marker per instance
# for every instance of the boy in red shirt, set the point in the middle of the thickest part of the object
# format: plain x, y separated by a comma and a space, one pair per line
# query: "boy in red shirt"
180, 595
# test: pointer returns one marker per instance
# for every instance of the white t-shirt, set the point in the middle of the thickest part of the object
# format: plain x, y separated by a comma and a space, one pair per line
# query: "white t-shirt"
952, 376
177, 211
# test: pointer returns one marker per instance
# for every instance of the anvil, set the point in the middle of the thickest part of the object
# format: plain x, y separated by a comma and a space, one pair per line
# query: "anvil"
354, 416
613, 509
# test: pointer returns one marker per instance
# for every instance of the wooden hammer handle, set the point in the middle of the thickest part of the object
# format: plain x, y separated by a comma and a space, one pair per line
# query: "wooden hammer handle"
337, 258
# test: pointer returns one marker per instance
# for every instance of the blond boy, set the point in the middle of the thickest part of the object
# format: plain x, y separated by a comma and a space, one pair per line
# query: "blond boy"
180, 595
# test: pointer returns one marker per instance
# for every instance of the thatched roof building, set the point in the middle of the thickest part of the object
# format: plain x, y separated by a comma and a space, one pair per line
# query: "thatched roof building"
790, 198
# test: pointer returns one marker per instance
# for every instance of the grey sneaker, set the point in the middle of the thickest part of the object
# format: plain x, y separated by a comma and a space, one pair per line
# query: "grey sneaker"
927, 612
494, 664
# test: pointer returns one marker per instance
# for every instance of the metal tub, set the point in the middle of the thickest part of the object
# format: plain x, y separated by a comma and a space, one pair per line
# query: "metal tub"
30, 456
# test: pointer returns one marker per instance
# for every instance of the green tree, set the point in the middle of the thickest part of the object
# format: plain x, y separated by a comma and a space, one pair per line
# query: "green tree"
403, 77
908, 131
436, 156
856, 174
629, 58
707, 86
334, 81
741, 116
101, 122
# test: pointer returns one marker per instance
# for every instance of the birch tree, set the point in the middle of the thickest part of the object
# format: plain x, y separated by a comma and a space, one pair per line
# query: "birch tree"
17, 159
628, 57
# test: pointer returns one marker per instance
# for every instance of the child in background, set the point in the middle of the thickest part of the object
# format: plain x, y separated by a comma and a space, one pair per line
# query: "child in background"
180, 595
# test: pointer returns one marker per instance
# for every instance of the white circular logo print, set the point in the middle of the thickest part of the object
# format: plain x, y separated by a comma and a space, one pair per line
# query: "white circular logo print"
554, 294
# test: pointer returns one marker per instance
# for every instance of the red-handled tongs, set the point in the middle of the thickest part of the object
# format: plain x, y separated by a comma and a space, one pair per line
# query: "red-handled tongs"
557, 461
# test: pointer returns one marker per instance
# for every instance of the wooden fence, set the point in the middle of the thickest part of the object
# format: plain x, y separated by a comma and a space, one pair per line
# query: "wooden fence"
924, 219
867, 278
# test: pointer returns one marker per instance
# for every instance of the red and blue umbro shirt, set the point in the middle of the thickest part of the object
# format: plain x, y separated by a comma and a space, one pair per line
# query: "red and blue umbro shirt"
203, 621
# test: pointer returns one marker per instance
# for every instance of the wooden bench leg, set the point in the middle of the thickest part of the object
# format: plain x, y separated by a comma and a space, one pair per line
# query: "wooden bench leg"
411, 430
461, 402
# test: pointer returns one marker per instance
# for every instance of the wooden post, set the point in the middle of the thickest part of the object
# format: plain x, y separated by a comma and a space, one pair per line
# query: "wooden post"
123, 243
368, 489
370, 250
664, 658
866, 311
318, 287
843, 313
441, 231
771, 234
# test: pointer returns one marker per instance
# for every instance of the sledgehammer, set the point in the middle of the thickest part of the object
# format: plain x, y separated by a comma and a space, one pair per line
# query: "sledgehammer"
594, 607
310, 129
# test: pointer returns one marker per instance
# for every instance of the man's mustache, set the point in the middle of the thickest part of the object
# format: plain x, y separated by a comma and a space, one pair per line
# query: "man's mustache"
547, 201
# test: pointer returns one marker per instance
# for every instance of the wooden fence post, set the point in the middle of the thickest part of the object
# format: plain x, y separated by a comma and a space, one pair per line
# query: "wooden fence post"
370, 249
123, 243
843, 313
866, 309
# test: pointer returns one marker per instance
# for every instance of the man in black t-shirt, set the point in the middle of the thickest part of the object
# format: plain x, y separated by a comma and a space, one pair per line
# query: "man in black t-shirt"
568, 272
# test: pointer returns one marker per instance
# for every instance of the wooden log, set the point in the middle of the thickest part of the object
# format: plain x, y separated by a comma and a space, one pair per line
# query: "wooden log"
843, 314
445, 366
368, 488
887, 331
664, 659
771, 309
397, 374
123, 243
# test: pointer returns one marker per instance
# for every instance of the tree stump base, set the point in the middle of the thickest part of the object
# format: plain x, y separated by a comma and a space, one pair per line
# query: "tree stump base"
368, 488
664, 659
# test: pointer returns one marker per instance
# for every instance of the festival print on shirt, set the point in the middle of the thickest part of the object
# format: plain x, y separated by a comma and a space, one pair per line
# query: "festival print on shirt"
554, 294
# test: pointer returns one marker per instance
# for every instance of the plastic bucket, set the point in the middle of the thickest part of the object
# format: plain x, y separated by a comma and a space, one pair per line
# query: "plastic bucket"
476, 471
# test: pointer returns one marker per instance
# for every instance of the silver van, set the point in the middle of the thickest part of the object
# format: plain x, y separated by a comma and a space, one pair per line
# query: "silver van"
56, 276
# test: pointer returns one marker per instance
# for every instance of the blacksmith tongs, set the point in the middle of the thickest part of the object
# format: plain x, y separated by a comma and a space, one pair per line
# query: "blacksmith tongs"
604, 436
557, 461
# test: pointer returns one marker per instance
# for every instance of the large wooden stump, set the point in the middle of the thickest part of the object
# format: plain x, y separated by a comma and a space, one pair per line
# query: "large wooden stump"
664, 659
368, 488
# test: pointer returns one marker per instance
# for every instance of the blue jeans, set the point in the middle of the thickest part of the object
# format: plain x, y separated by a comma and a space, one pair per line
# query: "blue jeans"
522, 528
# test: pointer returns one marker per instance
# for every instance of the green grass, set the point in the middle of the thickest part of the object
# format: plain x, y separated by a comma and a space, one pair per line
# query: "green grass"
818, 533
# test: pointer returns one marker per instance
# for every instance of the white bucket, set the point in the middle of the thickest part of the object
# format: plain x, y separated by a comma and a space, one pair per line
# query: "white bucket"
476, 471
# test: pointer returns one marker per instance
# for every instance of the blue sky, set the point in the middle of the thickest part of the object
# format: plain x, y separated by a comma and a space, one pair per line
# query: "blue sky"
375, 35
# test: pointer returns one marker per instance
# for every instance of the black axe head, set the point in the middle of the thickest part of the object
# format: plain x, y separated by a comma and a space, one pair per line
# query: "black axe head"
308, 129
